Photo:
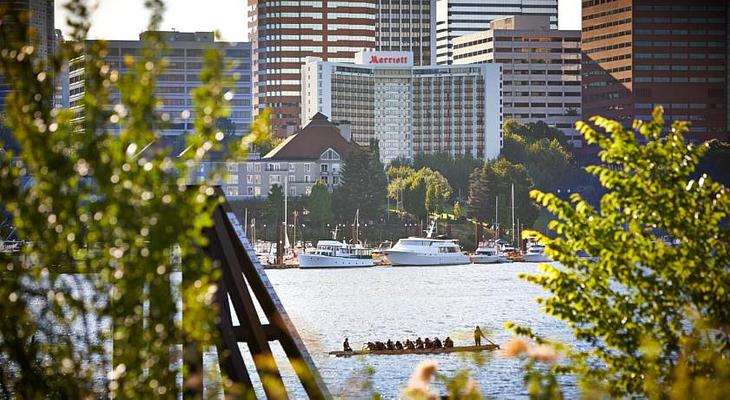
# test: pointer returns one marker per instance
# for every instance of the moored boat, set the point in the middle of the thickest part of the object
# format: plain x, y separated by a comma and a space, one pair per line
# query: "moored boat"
427, 252
335, 254
416, 251
536, 253
488, 254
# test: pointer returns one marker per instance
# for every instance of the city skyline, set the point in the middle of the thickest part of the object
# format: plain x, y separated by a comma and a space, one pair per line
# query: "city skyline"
190, 16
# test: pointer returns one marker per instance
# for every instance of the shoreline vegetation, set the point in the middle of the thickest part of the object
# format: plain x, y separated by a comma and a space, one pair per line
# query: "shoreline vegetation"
656, 312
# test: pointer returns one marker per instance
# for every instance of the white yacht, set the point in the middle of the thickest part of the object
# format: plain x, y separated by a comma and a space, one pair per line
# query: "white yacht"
536, 253
488, 254
426, 251
335, 254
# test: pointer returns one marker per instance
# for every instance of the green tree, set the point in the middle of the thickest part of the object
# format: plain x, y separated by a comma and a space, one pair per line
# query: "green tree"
533, 131
101, 218
663, 260
546, 157
319, 205
456, 170
410, 189
361, 186
274, 205
458, 213
265, 146
494, 180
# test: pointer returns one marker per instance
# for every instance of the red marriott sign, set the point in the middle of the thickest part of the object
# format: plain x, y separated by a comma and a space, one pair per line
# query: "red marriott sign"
374, 59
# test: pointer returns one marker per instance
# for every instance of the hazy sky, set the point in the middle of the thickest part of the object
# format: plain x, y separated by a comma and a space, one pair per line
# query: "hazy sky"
125, 19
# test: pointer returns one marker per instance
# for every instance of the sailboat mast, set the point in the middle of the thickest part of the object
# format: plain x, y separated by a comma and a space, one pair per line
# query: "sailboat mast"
496, 217
513, 213
286, 203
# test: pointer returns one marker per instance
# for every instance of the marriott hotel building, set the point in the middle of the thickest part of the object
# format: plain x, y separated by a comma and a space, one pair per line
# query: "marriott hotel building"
453, 109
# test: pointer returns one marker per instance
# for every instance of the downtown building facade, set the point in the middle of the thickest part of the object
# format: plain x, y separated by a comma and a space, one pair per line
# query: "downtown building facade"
456, 18
185, 57
38, 15
408, 109
640, 53
541, 68
283, 32
407, 25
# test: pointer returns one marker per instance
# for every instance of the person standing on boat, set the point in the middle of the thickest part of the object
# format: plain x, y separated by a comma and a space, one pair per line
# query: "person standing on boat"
346, 345
478, 335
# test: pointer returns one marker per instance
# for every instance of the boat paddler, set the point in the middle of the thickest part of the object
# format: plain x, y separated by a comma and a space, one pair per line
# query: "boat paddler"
478, 335
346, 345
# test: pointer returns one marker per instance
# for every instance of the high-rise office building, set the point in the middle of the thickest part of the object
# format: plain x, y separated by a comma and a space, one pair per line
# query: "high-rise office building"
540, 68
283, 33
641, 53
407, 25
408, 109
185, 56
456, 18
38, 15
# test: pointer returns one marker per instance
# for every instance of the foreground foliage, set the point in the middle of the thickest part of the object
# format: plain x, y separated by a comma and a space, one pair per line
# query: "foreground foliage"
88, 305
663, 264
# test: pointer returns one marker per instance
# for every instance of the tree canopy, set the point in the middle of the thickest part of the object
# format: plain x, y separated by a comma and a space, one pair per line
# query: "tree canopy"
362, 185
274, 205
418, 192
546, 156
661, 263
493, 181
106, 220
319, 205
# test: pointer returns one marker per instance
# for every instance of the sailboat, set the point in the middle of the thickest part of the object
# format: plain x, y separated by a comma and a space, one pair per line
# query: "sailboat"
336, 254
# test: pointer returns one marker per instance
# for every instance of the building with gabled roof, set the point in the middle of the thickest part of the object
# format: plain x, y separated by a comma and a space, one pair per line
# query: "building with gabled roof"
311, 141
315, 152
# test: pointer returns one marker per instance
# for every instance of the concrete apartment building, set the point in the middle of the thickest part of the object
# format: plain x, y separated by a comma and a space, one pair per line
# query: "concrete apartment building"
540, 68
174, 86
283, 32
407, 25
38, 15
456, 18
315, 152
639, 53
409, 109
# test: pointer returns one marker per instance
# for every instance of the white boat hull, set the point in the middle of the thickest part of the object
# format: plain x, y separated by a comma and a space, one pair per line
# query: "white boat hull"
323, 261
403, 258
485, 259
536, 258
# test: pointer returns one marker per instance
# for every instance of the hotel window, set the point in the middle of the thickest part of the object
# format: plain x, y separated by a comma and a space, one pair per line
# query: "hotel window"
307, 179
291, 178
231, 190
323, 167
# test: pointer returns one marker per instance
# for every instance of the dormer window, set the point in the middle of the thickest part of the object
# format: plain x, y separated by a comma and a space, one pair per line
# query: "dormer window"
330, 154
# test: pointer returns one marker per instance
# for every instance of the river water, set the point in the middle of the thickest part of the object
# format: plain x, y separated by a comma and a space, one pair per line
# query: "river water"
405, 302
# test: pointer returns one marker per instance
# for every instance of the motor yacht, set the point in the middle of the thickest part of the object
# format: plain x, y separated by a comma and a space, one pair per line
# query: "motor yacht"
336, 254
536, 253
488, 254
426, 251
